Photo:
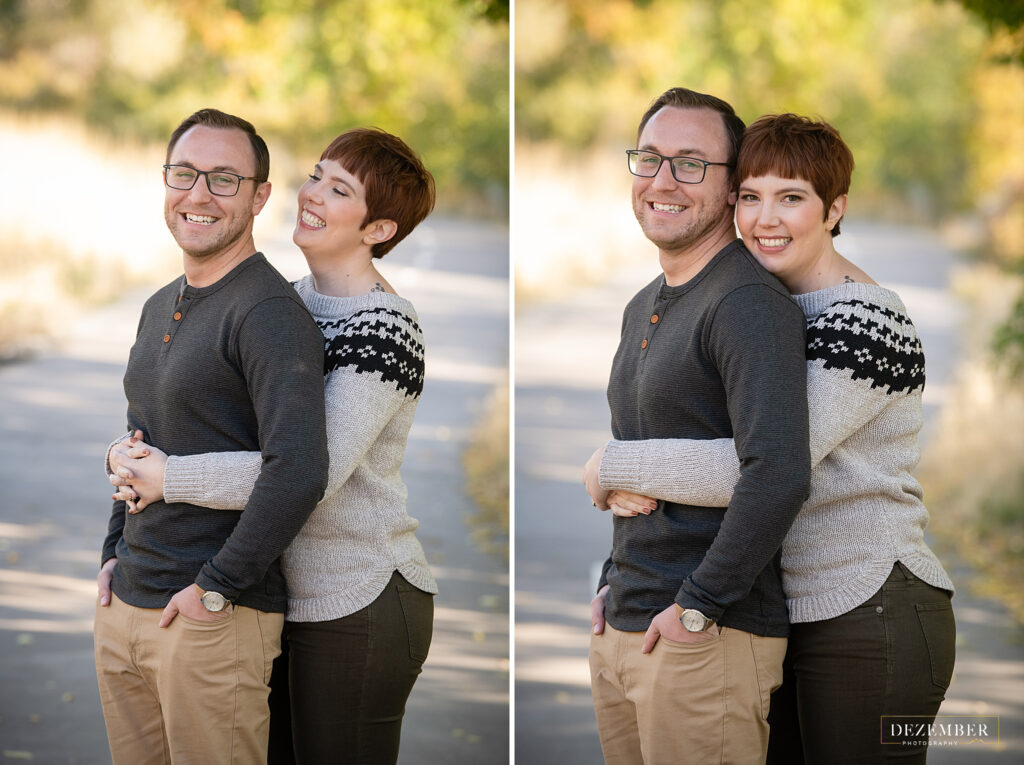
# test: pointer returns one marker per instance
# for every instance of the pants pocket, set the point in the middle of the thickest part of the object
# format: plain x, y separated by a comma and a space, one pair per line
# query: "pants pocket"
939, 628
418, 611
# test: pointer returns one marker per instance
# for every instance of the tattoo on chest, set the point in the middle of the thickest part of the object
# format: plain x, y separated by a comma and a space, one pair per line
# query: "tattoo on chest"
378, 288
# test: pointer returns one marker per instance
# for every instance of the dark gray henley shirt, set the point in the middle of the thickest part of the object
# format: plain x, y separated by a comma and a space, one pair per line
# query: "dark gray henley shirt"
721, 356
234, 366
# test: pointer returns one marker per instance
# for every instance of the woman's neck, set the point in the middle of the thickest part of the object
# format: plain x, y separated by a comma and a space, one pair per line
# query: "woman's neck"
830, 270
347, 277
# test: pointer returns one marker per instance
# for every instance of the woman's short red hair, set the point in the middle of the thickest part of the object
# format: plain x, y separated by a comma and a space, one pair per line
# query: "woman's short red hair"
398, 187
790, 146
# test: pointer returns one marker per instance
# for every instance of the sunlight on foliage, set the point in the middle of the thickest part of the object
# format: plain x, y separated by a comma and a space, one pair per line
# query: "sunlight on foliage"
300, 70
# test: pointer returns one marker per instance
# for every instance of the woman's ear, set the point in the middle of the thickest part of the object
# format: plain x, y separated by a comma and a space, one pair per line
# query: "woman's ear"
379, 231
835, 212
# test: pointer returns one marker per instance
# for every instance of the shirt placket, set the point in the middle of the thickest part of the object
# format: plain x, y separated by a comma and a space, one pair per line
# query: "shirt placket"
176, 319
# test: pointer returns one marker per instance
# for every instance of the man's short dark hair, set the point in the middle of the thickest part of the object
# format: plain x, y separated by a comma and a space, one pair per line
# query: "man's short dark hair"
217, 119
684, 98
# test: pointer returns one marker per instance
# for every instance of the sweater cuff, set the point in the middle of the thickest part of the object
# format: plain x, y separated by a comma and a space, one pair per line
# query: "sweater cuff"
184, 480
106, 458
620, 464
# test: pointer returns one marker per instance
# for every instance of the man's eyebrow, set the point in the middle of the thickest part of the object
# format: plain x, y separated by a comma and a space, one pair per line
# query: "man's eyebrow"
217, 169
679, 153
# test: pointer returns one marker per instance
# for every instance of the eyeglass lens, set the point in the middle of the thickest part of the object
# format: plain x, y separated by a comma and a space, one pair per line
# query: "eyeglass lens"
685, 169
183, 178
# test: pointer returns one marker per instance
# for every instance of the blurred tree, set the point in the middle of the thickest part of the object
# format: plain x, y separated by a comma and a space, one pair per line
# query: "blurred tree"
1004, 180
301, 70
893, 77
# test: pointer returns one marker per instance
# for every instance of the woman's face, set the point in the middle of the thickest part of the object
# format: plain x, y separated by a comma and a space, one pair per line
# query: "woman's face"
332, 207
783, 223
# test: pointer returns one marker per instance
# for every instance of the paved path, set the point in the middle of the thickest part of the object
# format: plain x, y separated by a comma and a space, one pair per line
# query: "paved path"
58, 412
563, 355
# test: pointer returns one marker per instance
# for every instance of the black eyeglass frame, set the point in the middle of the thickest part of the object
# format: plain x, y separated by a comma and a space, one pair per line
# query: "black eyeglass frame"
207, 174
631, 153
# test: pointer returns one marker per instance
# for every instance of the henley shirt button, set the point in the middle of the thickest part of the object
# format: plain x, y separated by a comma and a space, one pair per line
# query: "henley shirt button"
654, 319
644, 343
177, 315
878, 609
167, 338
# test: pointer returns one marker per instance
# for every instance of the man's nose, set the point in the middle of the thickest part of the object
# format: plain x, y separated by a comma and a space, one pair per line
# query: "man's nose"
664, 179
200, 190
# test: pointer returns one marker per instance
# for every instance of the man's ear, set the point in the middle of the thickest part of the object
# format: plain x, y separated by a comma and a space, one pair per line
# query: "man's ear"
379, 231
260, 197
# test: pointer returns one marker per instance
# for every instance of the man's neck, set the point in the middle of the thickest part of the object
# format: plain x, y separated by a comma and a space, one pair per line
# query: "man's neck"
682, 265
209, 269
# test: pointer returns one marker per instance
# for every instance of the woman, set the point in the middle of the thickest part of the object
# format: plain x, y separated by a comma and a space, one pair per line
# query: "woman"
360, 608
872, 626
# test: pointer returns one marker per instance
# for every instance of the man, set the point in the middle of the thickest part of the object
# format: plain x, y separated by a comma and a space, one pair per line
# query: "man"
226, 358
690, 619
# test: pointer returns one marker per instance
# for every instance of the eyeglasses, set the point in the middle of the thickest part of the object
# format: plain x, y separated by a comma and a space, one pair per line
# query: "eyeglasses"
647, 164
220, 183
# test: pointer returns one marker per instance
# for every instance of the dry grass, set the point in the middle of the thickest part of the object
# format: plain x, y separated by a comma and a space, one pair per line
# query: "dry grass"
973, 470
486, 461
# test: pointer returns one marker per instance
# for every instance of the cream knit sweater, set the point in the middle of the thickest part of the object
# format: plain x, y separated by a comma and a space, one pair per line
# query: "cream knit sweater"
360, 533
865, 374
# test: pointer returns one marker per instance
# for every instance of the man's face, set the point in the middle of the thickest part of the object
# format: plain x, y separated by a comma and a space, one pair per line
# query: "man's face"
676, 216
203, 224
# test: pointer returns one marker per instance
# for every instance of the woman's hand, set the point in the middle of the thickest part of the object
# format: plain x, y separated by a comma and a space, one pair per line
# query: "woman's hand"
591, 480
628, 505
138, 472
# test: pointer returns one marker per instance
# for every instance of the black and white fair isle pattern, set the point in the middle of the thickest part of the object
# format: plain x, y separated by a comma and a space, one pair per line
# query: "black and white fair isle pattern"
376, 340
870, 342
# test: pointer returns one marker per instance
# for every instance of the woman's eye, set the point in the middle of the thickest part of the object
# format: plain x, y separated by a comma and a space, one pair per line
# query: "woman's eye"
792, 198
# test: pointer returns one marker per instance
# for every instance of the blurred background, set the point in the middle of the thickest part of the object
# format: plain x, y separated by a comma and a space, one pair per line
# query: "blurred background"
89, 92
929, 94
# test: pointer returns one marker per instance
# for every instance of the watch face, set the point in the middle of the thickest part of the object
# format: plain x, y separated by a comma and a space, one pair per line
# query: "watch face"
213, 601
694, 621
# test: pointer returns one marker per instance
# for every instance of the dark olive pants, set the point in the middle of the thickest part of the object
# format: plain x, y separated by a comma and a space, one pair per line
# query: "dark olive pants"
339, 688
892, 655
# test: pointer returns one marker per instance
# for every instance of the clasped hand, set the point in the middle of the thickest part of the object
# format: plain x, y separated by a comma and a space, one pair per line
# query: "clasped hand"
137, 472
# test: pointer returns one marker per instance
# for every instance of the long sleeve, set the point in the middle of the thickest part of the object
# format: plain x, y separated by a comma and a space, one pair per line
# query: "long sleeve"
360, 532
865, 373
357, 409
284, 380
764, 376
704, 472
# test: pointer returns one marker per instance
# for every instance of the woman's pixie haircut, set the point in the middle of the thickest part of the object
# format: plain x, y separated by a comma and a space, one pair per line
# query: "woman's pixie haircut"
397, 185
790, 146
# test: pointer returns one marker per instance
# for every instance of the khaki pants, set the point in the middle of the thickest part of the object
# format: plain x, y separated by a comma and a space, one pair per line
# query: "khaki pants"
703, 703
194, 693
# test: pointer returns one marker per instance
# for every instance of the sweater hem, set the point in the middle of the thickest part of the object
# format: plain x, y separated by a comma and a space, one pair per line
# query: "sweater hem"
357, 596
840, 600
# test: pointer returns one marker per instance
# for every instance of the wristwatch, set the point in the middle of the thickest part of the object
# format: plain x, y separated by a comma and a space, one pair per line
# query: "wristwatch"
694, 621
213, 601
